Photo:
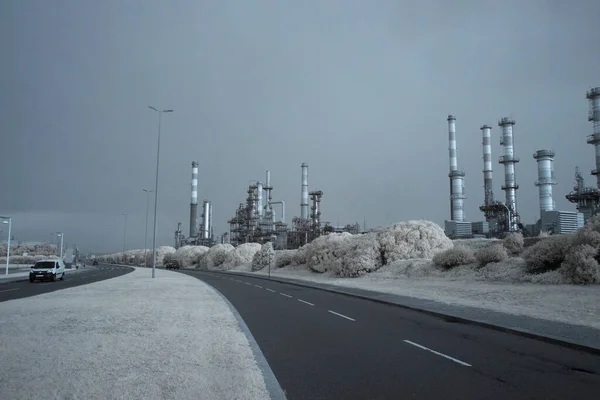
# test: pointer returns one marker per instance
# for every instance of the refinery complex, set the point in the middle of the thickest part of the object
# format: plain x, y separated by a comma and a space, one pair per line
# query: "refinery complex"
261, 218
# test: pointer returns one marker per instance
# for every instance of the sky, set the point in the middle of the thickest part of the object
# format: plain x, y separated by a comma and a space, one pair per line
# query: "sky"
359, 90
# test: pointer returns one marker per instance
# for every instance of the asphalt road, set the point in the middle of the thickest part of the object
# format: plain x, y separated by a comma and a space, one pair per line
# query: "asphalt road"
323, 345
20, 289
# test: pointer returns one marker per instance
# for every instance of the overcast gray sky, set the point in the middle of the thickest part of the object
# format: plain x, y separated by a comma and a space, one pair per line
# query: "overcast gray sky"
359, 90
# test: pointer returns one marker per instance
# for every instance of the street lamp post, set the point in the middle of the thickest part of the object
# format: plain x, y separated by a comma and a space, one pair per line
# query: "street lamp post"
7, 220
125, 234
146, 231
62, 237
160, 112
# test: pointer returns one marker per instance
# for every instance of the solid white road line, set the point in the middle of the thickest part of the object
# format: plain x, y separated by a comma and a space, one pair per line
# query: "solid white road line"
305, 302
270, 290
237, 280
286, 295
8, 290
260, 287
438, 353
247, 283
341, 315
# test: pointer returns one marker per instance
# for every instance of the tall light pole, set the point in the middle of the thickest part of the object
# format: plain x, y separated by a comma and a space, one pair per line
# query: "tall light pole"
160, 113
146, 232
7, 220
62, 237
125, 234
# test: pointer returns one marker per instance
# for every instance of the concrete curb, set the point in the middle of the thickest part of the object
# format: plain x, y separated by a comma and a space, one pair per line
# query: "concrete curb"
446, 317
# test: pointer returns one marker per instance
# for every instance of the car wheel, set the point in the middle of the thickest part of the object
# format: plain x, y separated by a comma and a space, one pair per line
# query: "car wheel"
53, 278
62, 277
31, 280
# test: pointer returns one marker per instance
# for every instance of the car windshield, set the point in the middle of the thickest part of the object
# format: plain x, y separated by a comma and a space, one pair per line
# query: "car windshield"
44, 264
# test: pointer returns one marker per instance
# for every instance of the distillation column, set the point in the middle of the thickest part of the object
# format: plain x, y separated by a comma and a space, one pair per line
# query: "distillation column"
259, 191
194, 201
456, 177
545, 160
509, 160
304, 193
205, 219
594, 98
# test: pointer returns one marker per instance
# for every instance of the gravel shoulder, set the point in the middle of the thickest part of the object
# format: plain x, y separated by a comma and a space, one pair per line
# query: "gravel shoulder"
131, 337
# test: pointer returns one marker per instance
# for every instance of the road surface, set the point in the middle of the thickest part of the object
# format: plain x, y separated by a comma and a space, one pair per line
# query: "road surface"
20, 289
323, 345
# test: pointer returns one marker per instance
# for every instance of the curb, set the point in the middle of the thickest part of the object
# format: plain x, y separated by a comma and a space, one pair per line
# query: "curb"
446, 317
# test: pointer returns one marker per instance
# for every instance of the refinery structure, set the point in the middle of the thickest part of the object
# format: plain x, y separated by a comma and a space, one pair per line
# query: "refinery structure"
261, 218
501, 217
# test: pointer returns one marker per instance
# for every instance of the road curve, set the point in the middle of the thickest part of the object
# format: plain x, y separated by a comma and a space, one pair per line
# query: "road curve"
21, 289
323, 345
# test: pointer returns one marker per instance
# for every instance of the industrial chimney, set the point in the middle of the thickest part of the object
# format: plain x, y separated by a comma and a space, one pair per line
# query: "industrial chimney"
456, 177
487, 165
545, 160
304, 193
594, 97
194, 201
509, 160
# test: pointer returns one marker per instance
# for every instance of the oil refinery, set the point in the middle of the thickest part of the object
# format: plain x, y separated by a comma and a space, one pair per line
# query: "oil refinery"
261, 218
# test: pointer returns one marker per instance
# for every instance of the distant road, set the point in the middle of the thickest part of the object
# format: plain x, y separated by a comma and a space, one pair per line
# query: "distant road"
323, 345
17, 290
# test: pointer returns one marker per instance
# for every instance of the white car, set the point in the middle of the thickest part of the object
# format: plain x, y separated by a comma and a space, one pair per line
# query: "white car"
47, 269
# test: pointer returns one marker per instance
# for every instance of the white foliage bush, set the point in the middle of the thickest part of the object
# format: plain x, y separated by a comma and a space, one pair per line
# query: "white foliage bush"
301, 255
412, 239
547, 254
29, 248
242, 254
361, 255
454, 257
160, 255
189, 255
491, 254
514, 243
580, 265
263, 258
283, 258
215, 256
325, 253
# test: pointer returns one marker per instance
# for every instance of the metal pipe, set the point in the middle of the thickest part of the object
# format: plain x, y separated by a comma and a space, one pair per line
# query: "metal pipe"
146, 230
509, 160
194, 201
487, 164
259, 195
210, 220
545, 160
282, 208
205, 219
304, 193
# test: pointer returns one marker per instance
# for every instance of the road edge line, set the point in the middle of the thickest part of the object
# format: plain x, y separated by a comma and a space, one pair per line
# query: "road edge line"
449, 318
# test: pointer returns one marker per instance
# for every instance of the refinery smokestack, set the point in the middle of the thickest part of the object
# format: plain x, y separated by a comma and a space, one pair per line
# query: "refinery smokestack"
594, 97
509, 160
304, 194
194, 201
545, 160
456, 177
487, 165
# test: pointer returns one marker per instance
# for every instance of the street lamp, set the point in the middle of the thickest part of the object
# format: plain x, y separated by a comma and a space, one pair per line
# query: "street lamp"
125, 234
62, 237
160, 113
146, 232
7, 220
